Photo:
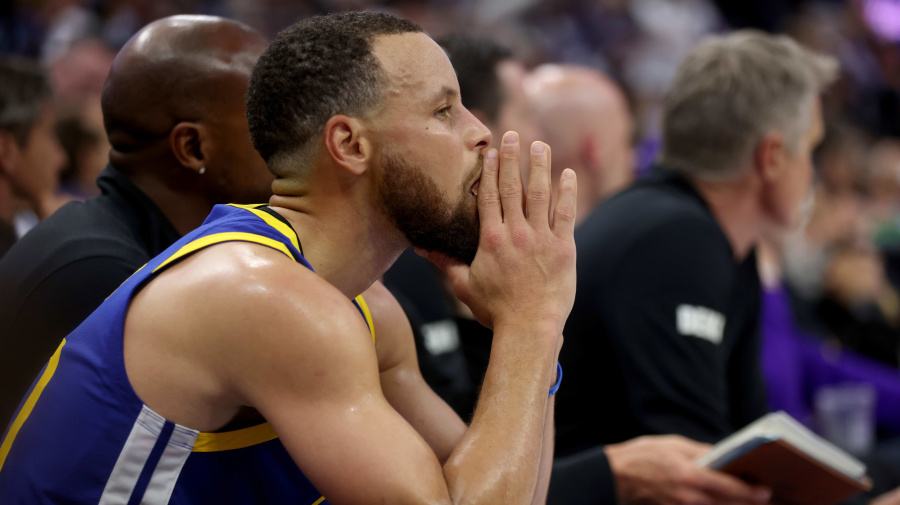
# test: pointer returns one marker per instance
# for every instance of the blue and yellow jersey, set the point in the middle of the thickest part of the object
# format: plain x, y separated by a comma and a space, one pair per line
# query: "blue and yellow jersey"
82, 435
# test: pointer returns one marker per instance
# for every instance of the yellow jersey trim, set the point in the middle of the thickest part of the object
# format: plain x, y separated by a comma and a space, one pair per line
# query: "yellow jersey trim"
289, 232
238, 439
270, 220
30, 403
320, 500
216, 238
368, 315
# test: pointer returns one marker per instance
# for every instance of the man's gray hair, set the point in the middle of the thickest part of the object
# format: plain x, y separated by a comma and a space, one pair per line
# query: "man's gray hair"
731, 91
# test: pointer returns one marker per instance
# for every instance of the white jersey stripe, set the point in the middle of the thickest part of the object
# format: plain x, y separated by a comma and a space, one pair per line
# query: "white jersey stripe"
176, 453
132, 458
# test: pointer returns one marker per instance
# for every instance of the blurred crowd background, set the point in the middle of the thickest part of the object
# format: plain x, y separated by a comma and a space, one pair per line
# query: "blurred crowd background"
842, 269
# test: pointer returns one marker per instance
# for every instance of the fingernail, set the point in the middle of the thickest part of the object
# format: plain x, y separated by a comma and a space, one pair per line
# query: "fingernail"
510, 138
537, 147
568, 174
491, 154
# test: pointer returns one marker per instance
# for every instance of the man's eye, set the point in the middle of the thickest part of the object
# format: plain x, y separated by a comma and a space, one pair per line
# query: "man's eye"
444, 111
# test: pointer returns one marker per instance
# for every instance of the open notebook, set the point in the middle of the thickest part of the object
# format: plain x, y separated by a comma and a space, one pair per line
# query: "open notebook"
800, 467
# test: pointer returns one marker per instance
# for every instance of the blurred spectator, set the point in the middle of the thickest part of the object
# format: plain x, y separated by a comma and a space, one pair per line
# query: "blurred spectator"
269, 16
884, 205
797, 364
883, 188
873, 72
663, 336
68, 21
833, 266
858, 305
30, 155
79, 73
767, 15
586, 121
841, 159
175, 117
87, 150
669, 29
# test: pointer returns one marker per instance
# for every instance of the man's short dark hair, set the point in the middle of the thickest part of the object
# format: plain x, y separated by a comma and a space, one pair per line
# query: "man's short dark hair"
475, 60
24, 91
313, 70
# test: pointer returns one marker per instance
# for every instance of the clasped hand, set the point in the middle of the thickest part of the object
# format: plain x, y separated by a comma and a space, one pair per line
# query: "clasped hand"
524, 270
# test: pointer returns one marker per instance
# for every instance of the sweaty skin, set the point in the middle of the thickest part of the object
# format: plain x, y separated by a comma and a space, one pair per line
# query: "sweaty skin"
246, 327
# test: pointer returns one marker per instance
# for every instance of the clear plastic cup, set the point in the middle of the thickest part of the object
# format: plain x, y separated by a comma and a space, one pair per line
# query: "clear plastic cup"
845, 416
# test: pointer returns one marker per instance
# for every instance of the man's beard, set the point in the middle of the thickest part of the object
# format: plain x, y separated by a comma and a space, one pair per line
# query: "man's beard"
415, 205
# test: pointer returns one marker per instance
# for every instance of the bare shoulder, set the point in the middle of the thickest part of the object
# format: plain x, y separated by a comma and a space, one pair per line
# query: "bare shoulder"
386, 310
236, 316
240, 287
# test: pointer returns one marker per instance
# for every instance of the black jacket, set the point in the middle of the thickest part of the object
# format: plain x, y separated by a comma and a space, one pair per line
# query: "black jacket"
62, 269
663, 337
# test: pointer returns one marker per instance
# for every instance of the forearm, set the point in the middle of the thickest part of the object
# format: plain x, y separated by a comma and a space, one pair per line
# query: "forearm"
546, 468
431, 417
498, 459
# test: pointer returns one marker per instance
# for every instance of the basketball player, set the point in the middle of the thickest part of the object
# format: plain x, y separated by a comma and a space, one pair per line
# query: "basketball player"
235, 367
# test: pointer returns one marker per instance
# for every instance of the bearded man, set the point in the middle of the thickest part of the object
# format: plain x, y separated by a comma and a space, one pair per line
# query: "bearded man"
223, 371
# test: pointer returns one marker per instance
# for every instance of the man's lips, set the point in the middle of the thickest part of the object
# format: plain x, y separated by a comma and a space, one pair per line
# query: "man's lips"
474, 189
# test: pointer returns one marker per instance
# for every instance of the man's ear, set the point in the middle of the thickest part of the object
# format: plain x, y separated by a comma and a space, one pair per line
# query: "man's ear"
9, 153
769, 157
188, 141
348, 144
591, 153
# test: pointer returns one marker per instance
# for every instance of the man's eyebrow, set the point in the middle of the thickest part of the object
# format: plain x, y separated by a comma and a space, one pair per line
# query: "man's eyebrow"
445, 92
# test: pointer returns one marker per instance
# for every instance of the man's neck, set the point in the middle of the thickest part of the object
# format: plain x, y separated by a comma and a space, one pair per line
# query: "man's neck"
185, 210
347, 247
735, 208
